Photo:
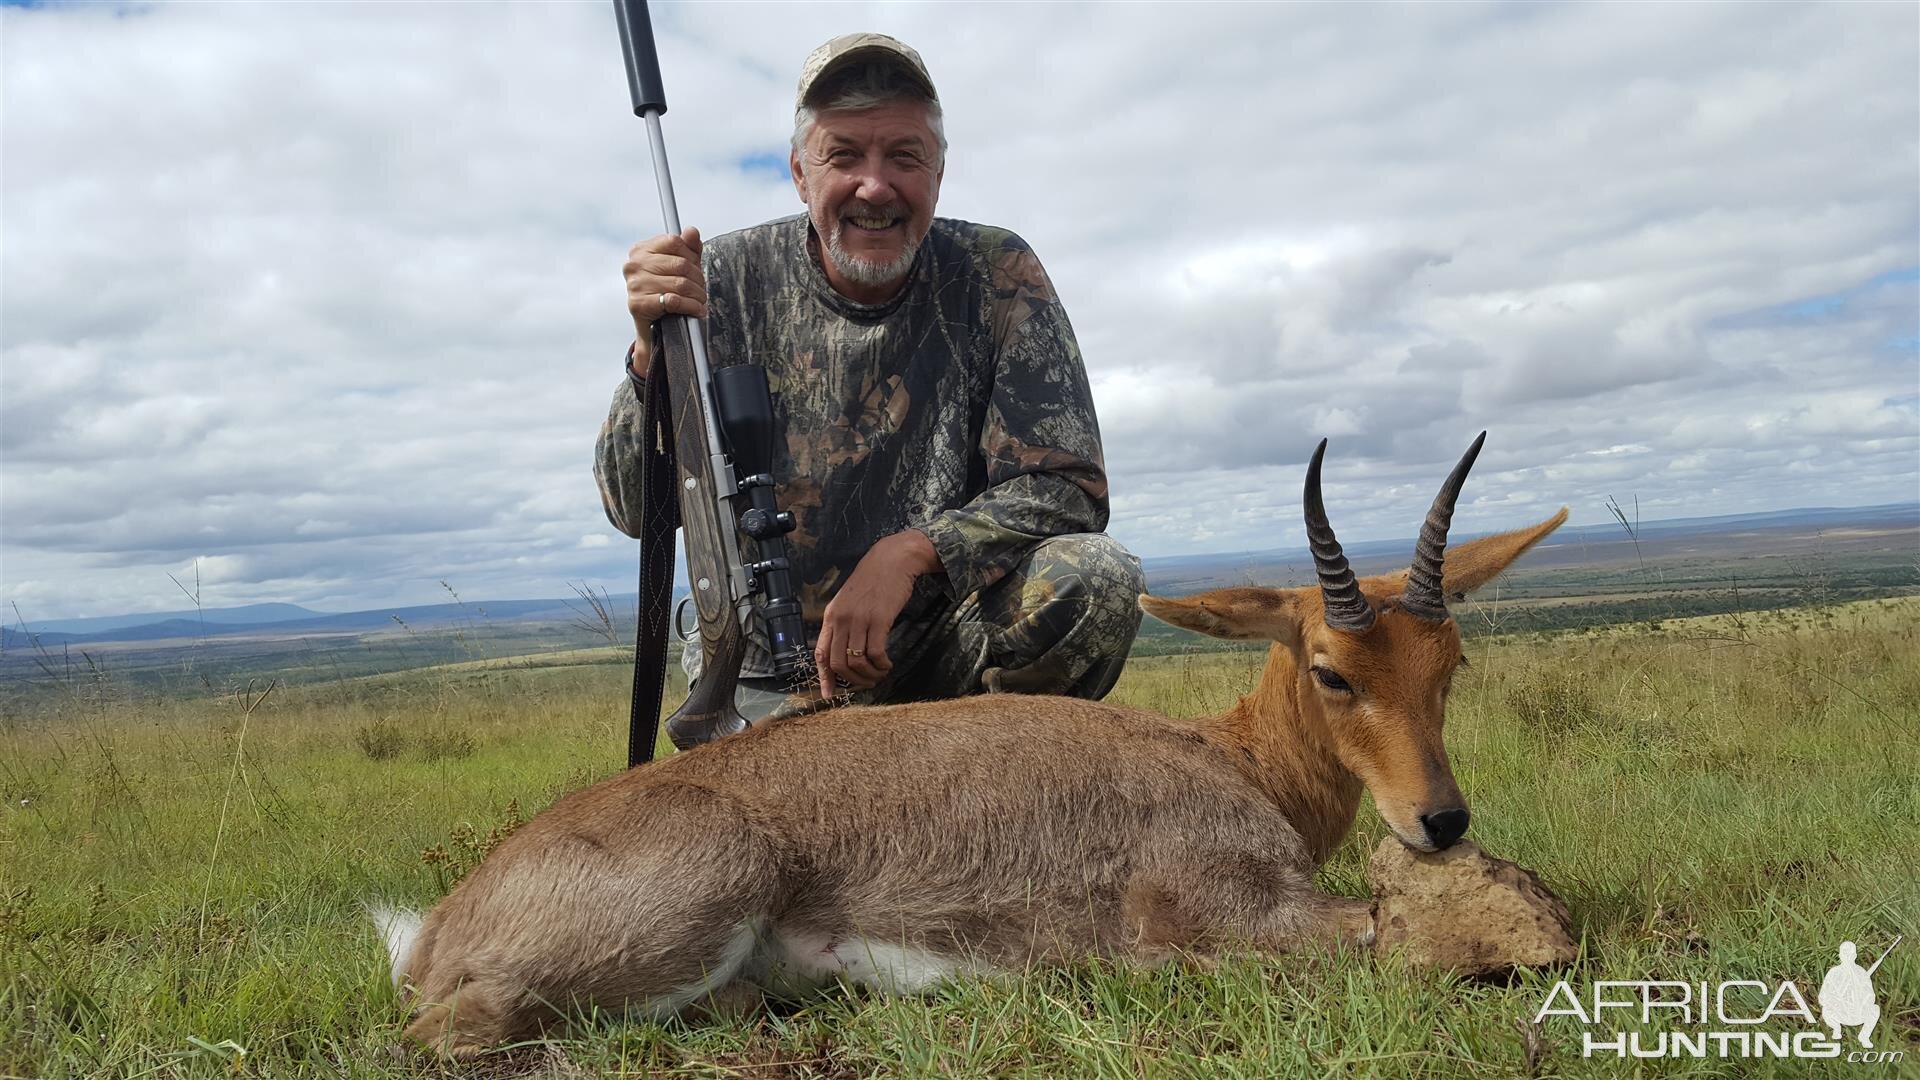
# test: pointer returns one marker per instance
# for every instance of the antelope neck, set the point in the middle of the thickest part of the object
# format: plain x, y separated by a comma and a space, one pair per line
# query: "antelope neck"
1280, 740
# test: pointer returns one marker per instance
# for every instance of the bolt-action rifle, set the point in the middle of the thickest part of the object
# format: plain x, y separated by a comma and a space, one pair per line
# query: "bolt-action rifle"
709, 436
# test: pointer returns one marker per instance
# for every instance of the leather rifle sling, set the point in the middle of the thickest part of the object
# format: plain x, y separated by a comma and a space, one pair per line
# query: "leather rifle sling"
659, 517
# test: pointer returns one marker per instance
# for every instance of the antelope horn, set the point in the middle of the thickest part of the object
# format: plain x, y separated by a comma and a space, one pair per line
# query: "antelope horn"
1346, 608
1424, 596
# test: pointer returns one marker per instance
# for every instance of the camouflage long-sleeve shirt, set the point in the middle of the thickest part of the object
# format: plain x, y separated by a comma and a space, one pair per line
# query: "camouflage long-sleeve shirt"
960, 407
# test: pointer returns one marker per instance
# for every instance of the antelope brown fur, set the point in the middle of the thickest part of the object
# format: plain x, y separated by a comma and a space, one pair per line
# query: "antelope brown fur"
895, 846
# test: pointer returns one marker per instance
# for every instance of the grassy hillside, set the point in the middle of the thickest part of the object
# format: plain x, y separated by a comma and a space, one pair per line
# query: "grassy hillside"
1716, 798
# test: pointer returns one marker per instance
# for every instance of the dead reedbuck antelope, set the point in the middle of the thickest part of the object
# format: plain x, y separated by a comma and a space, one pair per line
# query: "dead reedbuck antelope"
895, 846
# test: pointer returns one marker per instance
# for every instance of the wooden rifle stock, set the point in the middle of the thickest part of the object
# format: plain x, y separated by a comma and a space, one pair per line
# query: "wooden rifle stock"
712, 554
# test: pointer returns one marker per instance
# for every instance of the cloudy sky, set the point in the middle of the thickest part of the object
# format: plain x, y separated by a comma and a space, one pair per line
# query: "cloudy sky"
327, 297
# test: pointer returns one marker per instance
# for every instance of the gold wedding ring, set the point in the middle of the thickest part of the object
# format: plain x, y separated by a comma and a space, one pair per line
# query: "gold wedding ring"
856, 654
663, 303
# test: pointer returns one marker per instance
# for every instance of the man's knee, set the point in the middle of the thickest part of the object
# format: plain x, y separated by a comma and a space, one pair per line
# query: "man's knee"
1065, 618
1093, 565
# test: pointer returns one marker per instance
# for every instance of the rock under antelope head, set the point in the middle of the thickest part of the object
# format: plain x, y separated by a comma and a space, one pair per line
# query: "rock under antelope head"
1374, 657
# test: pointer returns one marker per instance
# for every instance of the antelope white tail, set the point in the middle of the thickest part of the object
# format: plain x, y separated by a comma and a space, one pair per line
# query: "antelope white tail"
400, 928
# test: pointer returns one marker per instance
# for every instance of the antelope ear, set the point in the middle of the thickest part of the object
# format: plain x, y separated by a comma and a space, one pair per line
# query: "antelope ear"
1476, 562
1240, 614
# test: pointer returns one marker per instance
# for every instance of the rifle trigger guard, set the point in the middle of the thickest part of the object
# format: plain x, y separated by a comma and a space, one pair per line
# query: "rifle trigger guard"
679, 621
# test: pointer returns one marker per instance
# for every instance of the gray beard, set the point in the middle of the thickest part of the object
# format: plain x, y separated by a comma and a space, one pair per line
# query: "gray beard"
864, 272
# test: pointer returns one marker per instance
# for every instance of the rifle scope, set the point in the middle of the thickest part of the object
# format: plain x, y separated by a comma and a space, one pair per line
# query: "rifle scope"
745, 404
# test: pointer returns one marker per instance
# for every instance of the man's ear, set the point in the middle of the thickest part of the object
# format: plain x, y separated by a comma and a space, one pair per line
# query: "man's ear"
1240, 614
1476, 562
799, 178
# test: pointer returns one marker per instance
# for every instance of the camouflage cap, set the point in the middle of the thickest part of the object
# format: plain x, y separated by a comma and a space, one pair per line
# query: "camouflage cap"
864, 46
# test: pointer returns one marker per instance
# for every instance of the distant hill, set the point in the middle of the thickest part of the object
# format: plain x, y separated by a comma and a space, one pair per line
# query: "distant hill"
1893, 527
218, 624
1896, 515
247, 614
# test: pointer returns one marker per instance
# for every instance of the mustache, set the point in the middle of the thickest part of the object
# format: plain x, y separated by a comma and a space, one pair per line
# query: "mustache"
865, 209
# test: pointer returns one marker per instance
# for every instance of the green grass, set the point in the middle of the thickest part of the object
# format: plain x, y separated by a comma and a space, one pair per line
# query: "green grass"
1715, 798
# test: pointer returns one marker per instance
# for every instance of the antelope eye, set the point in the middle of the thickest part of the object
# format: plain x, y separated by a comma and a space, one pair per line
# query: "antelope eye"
1332, 681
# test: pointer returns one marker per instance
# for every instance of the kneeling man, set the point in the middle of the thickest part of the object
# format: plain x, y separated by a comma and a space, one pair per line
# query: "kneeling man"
934, 434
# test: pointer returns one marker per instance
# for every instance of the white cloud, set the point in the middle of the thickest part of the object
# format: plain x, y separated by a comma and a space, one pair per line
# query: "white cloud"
329, 299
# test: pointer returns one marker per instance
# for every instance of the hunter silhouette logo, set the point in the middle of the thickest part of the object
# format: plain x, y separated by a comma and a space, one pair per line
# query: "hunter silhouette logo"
1734, 1018
1846, 994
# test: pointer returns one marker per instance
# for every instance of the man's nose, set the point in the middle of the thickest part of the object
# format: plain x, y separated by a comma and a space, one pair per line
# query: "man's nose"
875, 190
875, 187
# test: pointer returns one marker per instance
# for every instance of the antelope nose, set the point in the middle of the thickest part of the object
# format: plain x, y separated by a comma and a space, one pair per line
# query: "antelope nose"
1445, 827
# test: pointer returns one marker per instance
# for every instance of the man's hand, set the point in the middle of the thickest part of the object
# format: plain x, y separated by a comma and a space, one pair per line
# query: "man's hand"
663, 278
852, 648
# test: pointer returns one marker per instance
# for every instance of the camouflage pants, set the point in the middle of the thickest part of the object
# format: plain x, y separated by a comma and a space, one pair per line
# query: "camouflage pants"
1060, 622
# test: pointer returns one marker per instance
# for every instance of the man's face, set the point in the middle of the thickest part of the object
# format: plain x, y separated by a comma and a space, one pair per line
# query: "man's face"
870, 180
